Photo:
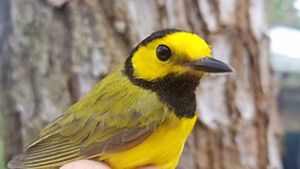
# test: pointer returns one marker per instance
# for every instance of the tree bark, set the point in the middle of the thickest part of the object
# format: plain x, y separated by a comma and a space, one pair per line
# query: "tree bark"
53, 51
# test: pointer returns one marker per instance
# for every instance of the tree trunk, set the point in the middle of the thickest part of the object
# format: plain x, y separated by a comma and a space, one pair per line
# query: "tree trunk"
53, 51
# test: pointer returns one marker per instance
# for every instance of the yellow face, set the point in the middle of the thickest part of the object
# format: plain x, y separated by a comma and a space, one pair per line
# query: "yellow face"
168, 55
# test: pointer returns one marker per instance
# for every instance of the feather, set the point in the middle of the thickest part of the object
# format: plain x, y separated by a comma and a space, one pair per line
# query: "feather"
109, 118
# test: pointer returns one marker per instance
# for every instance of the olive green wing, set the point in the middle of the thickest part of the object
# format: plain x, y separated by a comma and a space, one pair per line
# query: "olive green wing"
83, 138
115, 119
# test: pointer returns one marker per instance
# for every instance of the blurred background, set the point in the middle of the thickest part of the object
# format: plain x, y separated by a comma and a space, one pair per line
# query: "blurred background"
284, 33
52, 52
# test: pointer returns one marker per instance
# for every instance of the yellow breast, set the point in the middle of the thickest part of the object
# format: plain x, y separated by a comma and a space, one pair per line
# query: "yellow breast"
162, 148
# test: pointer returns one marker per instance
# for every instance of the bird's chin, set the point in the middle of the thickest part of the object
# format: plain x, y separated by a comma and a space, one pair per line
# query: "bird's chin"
199, 74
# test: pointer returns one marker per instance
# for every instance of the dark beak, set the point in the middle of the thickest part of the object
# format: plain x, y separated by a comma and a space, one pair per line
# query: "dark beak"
211, 65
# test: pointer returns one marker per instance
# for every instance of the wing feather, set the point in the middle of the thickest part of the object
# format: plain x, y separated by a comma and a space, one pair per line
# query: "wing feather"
116, 115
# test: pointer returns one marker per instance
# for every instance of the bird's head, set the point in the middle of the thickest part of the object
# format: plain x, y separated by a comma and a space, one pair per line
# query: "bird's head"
171, 54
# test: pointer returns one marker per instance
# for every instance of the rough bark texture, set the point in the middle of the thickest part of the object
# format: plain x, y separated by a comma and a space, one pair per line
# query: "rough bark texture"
53, 51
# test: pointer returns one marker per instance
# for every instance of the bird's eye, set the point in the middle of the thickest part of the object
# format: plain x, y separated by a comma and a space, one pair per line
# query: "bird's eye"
163, 52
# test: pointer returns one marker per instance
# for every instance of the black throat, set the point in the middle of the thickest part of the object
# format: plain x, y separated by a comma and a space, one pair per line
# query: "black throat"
178, 92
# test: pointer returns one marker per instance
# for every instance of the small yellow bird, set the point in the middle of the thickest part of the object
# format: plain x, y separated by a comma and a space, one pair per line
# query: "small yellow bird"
140, 114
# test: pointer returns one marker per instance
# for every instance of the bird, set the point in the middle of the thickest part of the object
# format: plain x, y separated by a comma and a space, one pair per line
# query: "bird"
140, 114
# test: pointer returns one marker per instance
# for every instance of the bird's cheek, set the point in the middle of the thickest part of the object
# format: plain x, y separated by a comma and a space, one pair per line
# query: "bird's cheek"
179, 70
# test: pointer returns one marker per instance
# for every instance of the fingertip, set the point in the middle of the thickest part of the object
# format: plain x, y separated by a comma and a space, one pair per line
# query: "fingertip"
149, 167
85, 164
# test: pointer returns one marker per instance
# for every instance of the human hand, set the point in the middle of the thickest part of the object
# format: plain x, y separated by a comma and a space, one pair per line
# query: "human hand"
90, 164
85, 164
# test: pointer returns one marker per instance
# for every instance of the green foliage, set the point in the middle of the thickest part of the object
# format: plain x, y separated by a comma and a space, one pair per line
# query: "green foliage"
282, 12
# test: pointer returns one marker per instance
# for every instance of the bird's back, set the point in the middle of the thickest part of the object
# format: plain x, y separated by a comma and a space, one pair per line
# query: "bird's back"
115, 115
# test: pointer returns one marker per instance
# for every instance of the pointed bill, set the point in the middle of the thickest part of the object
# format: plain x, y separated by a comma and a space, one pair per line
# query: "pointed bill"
210, 65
